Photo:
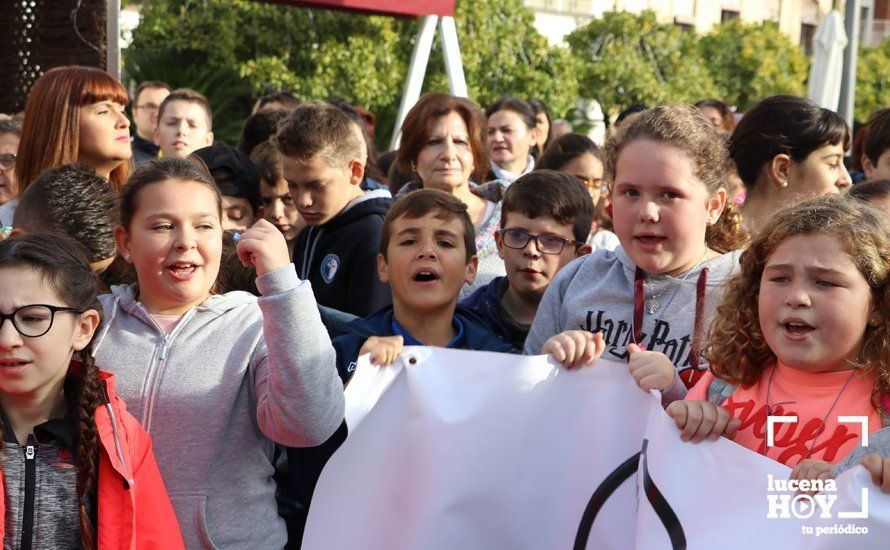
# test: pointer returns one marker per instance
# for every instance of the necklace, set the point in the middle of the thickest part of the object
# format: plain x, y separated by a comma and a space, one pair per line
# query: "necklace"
769, 408
652, 302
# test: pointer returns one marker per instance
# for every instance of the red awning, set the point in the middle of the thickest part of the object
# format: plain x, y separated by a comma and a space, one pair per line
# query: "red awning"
396, 8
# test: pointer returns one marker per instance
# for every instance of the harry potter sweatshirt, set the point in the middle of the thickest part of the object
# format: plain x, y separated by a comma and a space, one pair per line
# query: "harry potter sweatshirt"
596, 293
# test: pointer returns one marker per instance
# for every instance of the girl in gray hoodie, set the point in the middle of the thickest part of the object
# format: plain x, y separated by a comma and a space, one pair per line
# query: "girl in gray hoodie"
216, 380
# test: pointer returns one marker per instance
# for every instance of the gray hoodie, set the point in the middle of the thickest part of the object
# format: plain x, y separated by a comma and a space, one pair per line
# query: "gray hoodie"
235, 376
596, 293
878, 443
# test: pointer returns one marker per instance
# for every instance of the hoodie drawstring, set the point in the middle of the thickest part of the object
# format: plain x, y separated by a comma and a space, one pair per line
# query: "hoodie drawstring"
114, 307
640, 301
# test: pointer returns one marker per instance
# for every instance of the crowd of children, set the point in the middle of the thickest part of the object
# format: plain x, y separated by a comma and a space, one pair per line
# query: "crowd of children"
183, 314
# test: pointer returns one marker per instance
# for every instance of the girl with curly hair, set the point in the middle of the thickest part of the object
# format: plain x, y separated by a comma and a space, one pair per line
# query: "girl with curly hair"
803, 332
77, 469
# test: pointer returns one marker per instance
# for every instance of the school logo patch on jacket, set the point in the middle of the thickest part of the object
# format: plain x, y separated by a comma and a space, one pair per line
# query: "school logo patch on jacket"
329, 267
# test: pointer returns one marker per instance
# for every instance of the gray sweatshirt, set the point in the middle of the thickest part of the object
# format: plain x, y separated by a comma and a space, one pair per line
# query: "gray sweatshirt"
596, 293
878, 443
235, 376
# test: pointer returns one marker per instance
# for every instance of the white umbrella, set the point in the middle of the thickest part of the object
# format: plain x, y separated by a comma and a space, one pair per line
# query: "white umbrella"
824, 84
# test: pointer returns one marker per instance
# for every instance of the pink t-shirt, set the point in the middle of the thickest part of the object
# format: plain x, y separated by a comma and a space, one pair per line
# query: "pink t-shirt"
808, 396
167, 322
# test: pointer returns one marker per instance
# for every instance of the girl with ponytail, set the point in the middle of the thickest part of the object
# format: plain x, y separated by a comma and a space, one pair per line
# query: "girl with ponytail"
77, 469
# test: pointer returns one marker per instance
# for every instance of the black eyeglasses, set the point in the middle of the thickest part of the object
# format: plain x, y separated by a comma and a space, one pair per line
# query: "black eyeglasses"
547, 244
7, 161
36, 319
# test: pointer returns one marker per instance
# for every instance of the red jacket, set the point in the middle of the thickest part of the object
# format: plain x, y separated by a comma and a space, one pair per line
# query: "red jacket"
134, 510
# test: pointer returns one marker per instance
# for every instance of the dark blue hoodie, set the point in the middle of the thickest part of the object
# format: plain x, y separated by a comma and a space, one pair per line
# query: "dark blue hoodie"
485, 303
476, 336
339, 257
305, 465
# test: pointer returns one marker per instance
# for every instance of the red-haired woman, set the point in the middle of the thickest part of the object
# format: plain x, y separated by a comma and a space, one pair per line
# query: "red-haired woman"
443, 145
73, 114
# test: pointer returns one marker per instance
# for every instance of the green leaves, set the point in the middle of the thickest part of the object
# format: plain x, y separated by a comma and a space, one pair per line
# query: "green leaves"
321, 54
260, 47
629, 58
503, 54
872, 80
751, 61
235, 50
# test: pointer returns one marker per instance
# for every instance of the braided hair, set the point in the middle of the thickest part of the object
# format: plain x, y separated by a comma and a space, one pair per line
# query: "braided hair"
63, 264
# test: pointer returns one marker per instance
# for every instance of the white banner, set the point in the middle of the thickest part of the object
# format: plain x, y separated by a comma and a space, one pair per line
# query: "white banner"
455, 449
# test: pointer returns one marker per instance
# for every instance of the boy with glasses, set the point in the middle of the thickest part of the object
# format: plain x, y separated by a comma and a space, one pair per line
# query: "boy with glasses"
149, 96
545, 219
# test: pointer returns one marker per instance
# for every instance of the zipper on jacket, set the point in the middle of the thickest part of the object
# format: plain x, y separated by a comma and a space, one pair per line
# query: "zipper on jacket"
114, 434
156, 369
30, 487
162, 355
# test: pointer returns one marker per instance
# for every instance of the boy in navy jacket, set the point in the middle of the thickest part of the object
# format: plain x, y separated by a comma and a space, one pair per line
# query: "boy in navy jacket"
323, 156
545, 219
427, 253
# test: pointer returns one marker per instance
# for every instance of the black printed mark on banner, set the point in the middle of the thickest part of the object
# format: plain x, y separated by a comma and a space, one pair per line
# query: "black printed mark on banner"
609, 485
664, 511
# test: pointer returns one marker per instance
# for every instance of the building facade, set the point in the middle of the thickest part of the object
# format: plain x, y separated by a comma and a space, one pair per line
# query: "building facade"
875, 22
797, 19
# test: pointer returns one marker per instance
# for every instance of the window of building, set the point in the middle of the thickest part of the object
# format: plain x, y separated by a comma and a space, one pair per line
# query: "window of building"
728, 15
683, 26
806, 37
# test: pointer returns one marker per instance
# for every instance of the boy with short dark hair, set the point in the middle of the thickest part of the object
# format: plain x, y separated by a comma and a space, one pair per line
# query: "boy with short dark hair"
259, 128
323, 161
185, 123
427, 253
875, 158
545, 219
278, 206
72, 200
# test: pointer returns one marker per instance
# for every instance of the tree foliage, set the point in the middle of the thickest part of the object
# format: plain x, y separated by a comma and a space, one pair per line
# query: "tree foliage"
226, 90
323, 54
503, 54
627, 58
872, 80
235, 50
276, 47
751, 61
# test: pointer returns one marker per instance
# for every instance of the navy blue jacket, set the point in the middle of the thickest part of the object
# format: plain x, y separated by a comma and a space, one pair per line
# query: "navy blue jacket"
484, 302
339, 258
477, 336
